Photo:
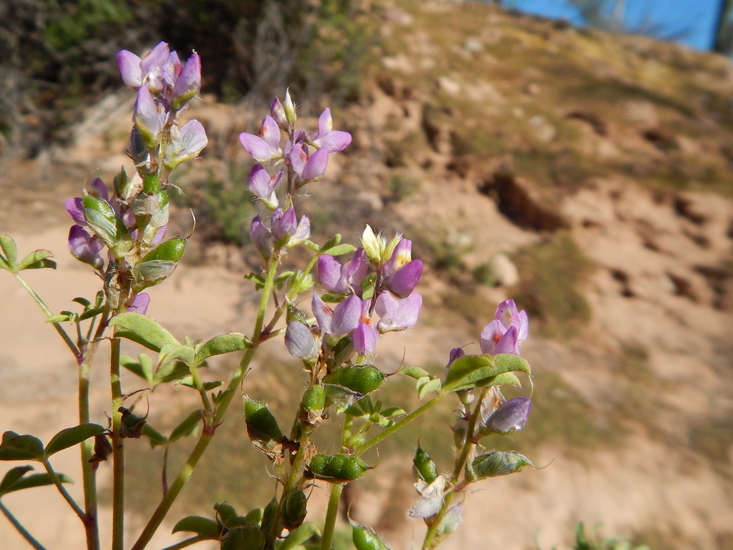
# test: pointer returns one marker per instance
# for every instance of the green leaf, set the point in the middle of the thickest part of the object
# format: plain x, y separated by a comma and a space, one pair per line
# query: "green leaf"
224, 343
86, 304
34, 480
38, 259
330, 243
187, 427
156, 438
12, 476
508, 362
10, 249
341, 249
89, 313
143, 367
197, 524
171, 371
206, 386
413, 372
72, 436
178, 352
391, 412
299, 536
143, 330
472, 371
4, 264
20, 447
313, 246
506, 379
426, 385
61, 317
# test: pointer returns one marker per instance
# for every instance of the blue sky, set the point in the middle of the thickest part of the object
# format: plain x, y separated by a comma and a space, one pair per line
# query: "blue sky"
696, 15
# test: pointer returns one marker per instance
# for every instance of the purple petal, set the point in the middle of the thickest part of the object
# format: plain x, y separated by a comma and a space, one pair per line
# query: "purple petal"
298, 158
508, 342
129, 65
85, 247
259, 234
140, 304
509, 417
329, 273
75, 208
283, 224
364, 338
259, 182
99, 189
270, 132
509, 316
188, 82
156, 57
315, 168
346, 316
302, 232
148, 120
299, 340
186, 143
277, 112
397, 314
404, 281
325, 123
257, 147
322, 313
490, 336
159, 235
334, 141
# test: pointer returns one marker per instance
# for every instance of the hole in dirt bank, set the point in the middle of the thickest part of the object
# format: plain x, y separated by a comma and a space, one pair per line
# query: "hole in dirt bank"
720, 280
662, 140
623, 279
682, 287
685, 208
516, 203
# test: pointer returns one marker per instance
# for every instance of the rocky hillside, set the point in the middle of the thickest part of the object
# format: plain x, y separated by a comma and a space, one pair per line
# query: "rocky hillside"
587, 175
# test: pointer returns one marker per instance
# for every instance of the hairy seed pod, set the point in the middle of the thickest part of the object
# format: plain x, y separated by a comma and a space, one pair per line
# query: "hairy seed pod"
261, 424
314, 398
169, 251
423, 466
294, 509
366, 539
243, 538
497, 463
336, 468
359, 378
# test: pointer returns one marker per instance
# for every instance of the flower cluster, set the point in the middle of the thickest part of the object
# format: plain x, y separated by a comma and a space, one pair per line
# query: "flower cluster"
132, 221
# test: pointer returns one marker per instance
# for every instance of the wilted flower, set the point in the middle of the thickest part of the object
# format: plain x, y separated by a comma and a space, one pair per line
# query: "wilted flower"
186, 143
431, 497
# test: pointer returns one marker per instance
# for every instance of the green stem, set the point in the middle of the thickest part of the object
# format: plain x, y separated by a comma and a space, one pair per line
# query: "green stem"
361, 449
185, 473
64, 493
333, 507
64, 336
22, 530
432, 537
118, 450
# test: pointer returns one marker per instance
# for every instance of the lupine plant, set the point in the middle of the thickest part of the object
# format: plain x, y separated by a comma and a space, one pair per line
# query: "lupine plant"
330, 314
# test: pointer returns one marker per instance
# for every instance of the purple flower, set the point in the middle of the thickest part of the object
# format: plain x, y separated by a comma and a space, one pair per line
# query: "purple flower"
188, 82
322, 312
396, 314
266, 146
345, 278
148, 120
496, 338
99, 190
346, 316
510, 417
259, 234
262, 186
509, 316
130, 70
186, 143
140, 304
364, 338
75, 208
405, 279
300, 341
455, 353
327, 138
277, 112
283, 224
85, 247
302, 232
315, 168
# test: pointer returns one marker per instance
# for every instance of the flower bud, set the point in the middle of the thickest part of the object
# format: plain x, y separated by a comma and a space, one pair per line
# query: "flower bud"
510, 417
277, 112
289, 107
300, 341
148, 120
373, 245
259, 235
188, 82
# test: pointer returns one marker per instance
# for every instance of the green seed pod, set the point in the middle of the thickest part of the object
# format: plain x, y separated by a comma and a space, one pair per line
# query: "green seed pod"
362, 379
243, 538
225, 513
169, 251
497, 463
261, 424
268, 516
294, 509
366, 539
314, 398
337, 468
423, 466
